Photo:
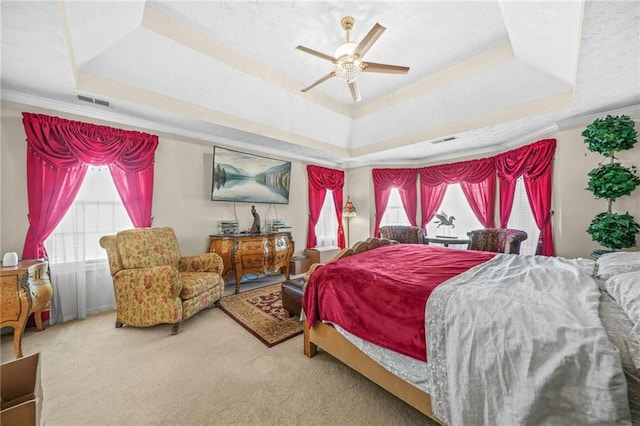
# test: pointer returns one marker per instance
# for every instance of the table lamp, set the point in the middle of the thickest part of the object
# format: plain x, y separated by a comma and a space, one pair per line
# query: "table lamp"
349, 211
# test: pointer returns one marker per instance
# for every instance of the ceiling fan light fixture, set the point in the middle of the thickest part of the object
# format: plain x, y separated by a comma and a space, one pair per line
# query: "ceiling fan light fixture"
345, 49
347, 66
348, 69
348, 59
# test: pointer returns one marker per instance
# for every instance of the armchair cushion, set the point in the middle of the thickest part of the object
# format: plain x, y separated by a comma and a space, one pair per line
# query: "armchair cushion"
207, 262
195, 283
143, 248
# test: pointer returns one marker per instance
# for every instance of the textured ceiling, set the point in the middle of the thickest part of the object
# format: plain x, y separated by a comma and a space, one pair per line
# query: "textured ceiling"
492, 74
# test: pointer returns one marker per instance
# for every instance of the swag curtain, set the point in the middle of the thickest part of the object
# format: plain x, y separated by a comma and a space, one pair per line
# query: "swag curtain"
532, 162
58, 153
320, 179
477, 180
403, 179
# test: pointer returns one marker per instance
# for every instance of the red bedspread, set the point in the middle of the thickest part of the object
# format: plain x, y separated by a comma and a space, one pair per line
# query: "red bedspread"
381, 295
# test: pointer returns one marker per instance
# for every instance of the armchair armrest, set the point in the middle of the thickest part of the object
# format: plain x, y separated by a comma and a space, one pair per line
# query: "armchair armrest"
207, 262
157, 281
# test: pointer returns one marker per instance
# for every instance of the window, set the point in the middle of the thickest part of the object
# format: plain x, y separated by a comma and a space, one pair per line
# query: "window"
454, 204
96, 211
327, 226
80, 273
394, 214
522, 218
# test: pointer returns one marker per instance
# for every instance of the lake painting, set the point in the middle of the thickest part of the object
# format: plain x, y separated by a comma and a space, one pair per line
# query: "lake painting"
238, 176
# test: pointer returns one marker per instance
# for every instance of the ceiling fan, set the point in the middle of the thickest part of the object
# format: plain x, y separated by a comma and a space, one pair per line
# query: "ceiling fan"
348, 59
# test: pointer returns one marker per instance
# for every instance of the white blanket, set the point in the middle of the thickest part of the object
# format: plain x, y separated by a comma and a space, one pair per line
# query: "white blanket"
518, 341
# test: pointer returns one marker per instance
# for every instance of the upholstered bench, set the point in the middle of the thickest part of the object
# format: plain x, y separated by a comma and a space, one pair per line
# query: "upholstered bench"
292, 296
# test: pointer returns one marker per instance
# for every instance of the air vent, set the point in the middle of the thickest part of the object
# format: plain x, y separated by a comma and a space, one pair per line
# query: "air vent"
93, 100
447, 139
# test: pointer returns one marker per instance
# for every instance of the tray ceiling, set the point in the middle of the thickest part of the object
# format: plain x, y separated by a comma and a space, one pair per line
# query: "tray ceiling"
489, 73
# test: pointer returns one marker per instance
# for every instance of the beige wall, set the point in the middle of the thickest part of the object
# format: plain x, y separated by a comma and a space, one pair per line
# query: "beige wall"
183, 182
574, 207
359, 186
181, 189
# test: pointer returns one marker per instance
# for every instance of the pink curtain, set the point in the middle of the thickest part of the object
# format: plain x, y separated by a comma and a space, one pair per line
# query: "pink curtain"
58, 153
403, 179
477, 180
534, 163
430, 199
320, 179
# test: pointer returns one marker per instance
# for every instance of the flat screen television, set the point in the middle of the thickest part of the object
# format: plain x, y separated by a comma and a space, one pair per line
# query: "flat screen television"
248, 178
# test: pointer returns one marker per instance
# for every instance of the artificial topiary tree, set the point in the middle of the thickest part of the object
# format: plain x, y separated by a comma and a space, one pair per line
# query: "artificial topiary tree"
611, 181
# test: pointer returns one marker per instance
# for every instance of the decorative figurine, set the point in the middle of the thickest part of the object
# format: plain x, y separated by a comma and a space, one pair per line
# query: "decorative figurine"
444, 220
255, 228
447, 221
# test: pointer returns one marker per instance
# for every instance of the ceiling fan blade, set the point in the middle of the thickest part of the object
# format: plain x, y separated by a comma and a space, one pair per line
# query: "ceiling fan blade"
368, 40
383, 68
321, 80
355, 92
316, 53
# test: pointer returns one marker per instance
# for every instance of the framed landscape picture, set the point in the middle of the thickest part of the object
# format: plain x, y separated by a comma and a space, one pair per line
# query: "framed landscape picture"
242, 177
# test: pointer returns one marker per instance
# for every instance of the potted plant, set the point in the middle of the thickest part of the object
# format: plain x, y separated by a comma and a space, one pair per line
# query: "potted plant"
612, 180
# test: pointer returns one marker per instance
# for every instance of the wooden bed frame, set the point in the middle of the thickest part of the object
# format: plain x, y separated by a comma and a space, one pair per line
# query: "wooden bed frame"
331, 341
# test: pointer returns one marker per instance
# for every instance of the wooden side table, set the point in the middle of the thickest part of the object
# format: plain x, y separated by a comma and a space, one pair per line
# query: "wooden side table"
255, 253
25, 289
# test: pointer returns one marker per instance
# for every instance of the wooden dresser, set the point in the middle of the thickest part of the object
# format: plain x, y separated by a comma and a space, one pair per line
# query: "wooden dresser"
25, 289
257, 253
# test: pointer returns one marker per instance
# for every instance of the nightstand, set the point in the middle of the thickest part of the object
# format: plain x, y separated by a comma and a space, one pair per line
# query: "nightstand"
25, 289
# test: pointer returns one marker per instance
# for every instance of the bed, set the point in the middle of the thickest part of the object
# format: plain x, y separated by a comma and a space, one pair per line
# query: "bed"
501, 370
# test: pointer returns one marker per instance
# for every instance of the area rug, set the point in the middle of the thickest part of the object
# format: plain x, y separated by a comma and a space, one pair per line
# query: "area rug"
260, 311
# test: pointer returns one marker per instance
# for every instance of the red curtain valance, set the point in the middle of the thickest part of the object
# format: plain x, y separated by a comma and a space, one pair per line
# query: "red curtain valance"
531, 161
323, 177
65, 143
472, 171
477, 180
398, 178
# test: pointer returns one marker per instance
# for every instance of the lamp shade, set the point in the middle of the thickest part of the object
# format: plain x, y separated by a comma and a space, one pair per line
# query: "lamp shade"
349, 208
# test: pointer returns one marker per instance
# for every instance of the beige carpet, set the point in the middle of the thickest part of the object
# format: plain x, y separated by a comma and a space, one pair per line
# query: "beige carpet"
211, 373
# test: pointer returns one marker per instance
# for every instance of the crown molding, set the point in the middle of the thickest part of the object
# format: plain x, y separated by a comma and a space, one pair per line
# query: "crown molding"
531, 136
103, 114
583, 120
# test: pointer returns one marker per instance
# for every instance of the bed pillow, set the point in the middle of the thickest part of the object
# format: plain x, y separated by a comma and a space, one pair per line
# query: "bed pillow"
618, 262
625, 289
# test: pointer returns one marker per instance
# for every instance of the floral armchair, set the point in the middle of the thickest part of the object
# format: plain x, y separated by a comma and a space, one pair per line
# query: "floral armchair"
403, 234
155, 285
497, 240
